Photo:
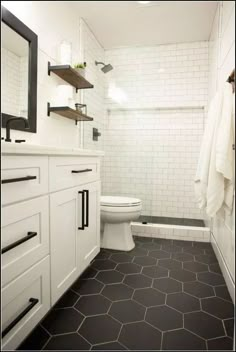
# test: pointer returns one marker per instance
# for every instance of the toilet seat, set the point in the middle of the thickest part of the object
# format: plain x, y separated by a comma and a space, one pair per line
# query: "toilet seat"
109, 201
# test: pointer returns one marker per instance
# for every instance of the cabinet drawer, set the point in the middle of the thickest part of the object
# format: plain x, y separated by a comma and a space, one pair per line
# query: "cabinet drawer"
23, 177
66, 172
24, 303
25, 236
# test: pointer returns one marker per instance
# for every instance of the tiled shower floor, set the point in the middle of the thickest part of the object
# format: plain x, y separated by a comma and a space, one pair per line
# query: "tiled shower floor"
163, 295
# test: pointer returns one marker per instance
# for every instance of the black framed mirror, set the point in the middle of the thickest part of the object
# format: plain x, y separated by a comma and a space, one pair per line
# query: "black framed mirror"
19, 58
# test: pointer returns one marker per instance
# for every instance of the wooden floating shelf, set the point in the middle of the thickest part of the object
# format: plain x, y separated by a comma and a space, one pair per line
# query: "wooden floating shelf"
69, 113
70, 75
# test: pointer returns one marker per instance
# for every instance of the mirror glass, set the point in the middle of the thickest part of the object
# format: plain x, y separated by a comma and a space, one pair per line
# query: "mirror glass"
15, 72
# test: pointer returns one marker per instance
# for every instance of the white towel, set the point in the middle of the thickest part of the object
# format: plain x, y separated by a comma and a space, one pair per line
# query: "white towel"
209, 182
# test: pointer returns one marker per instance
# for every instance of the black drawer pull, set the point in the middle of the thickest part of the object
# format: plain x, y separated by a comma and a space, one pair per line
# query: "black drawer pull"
82, 211
33, 302
26, 178
87, 208
80, 171
17, 243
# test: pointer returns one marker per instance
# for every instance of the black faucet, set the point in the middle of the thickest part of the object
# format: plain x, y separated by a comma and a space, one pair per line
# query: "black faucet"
8, 123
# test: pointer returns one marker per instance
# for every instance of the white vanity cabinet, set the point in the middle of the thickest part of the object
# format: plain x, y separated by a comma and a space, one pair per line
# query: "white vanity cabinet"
50, 230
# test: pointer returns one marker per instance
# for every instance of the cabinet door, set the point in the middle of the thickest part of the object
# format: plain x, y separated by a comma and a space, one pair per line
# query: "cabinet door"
89, 224
64, 232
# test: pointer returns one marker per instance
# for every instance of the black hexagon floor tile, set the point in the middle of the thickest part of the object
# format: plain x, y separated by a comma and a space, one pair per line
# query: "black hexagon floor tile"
195, 267
183, 302
117, 292
93, 305
218, 307
170, 264
137, 281
223, 292
127, 311
129, 268
159, 254
67, 342
67, 300
163, 241
182, 340
110, 276
215, 268
155, 271
105, 264
198, 289
183, 244
140, 336
87, 287
183, 257
167, 285
182, 275
150, 246
204, 325
206, 259
100, 329
149, 297
61, 321
89, 273
171, 248
211, 279
220, 344
36, 340
103, 255
193, 250
145, 261
229, 327
110, 346
144, 239
202, 245
138, 252
173, 319
121, 258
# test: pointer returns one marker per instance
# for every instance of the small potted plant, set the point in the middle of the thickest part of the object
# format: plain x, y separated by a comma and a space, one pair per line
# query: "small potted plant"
80, 67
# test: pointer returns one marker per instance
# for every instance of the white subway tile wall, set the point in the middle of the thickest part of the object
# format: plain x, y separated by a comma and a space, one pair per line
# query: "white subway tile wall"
152, 138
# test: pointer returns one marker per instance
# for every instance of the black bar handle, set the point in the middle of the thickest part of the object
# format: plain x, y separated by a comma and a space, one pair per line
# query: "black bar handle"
80, 171
87, 208
18, 179
33, 302
17, 243
82, 211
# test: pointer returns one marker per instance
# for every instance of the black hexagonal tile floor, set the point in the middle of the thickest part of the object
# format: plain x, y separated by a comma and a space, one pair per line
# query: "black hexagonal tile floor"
93, 305
173, 319
182, 275
195, 267
103, 255
193, 250
163, 241
110, 346
204, 325
110, 276
183, 244
211, 278
218, 307
215, 268
198, 289
137, 281
140, 336
183, 302
144, 239
150, 246
100, 329
172, 248
182, 340
117, 292
183, 257
155, 271
202, 245
105, 264
62, 321
121, 258
170, 264
159, 254
89, 273
127, 311
67, 342
67, 300
87, 287
36, 340
222, 292
149, 297
129, 268
220, 344
206, 259
145, 261
229, 327
138, 252
167, 285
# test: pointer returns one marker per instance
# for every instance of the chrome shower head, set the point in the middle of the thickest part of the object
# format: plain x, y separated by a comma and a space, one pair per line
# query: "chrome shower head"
105, 68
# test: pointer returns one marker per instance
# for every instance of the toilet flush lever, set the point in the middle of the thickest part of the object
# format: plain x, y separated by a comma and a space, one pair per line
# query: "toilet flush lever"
96, 134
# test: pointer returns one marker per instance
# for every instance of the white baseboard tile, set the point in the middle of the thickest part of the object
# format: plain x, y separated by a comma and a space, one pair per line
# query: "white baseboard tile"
228, 279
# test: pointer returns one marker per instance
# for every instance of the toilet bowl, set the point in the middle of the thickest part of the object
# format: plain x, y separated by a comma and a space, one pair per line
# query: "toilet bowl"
116, 216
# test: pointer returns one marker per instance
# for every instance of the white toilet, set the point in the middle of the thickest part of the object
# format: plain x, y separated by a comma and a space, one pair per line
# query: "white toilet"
116, 216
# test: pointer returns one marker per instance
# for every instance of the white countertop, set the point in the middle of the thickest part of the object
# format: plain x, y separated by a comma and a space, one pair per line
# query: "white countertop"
34, 149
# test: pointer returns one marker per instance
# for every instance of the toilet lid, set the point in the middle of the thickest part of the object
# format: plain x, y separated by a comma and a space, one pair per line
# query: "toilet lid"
119, 201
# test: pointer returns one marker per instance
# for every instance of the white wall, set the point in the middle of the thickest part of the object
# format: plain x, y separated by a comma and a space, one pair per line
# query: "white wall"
222, 62
155, 96
53, 23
